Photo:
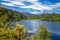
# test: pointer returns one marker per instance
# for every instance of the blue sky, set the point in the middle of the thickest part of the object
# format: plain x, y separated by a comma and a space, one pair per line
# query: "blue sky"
32, 6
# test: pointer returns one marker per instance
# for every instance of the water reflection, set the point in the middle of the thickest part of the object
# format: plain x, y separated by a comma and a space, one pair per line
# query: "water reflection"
32, 25
53, 27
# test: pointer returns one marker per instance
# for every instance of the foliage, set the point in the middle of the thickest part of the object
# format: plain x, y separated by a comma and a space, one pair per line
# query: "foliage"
18, 32
13, 33
8, 15
3, 20
33, 37
42, 33
46, 17
12, 15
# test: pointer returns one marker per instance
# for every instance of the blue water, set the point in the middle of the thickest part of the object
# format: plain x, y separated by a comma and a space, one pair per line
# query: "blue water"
52, 26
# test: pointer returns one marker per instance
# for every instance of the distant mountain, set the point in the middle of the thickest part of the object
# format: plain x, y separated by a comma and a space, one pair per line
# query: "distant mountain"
29, 14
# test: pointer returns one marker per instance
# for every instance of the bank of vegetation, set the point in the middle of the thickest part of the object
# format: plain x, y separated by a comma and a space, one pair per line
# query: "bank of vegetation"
11, 15
46, 17
18, 32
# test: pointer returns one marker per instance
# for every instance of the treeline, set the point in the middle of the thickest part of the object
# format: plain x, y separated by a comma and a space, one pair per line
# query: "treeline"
46, 17
18, 32
11, 15
8, 15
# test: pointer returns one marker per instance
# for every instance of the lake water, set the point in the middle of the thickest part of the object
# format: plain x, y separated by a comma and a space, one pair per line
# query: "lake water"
52, 26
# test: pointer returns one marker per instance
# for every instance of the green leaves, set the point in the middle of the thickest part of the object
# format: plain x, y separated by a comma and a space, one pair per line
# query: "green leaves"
11, 15
42, 33
17, 32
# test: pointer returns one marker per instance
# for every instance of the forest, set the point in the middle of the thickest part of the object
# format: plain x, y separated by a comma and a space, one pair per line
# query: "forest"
46, 17
11, 15
19, 32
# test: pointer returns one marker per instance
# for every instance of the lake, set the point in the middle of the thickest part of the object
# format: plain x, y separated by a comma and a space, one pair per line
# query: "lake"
52, 26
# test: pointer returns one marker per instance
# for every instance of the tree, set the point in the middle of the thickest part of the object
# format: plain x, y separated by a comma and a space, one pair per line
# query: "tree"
13, 33
32, 37
43, 33
3, 20
21, 32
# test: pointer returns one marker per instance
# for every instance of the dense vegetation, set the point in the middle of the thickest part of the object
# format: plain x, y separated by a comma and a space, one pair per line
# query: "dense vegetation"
18, 32
14, 33
11, 15
8, 15
46, 17
42, 33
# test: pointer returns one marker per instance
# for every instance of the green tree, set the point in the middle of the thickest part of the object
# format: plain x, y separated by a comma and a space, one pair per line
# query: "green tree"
33, 37
43, 33
17, 32
20, 31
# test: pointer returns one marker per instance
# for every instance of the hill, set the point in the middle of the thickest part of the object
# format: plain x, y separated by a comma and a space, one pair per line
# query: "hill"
8, 15
11, 14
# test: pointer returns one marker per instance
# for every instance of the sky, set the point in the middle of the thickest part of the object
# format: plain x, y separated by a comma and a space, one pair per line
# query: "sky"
32, 6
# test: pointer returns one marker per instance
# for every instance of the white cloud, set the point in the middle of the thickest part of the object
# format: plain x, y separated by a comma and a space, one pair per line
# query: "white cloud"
13, 2
35, 12
55, 5
35, 5
17, 2
38, 7
8, 4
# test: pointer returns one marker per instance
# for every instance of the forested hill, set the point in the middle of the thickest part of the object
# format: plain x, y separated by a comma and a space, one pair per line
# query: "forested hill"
10, 15
46, 17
